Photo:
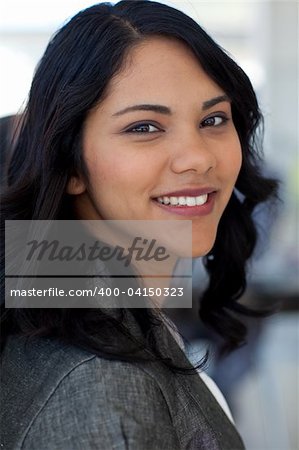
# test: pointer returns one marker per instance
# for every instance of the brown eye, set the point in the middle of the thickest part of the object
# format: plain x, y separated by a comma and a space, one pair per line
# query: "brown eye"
143, 128
214, 121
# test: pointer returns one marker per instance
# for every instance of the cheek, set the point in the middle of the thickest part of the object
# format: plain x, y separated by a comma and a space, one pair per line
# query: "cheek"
106, 169
119, 174
231, 160
236, 162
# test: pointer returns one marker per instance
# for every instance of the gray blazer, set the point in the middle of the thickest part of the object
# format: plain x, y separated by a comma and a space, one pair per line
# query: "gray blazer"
59, 397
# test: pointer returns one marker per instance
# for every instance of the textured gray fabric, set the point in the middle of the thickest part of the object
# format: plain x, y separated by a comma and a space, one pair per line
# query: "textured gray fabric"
59, 397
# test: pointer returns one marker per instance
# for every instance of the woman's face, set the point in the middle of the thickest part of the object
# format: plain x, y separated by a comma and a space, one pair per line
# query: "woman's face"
161, 146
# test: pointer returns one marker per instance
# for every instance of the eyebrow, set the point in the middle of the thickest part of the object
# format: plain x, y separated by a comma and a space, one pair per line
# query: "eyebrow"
214, 101
155, 108
166, 110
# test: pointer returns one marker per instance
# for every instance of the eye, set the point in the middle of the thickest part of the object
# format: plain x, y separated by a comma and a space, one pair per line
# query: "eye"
214, 121
143, 128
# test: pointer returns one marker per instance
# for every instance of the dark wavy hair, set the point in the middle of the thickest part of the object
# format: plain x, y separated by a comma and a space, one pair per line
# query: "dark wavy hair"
71, 78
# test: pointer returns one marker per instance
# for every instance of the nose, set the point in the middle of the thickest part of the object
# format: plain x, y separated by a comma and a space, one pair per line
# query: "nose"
191, 152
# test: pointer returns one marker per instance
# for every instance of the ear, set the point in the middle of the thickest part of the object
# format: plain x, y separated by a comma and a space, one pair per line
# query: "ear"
75, 185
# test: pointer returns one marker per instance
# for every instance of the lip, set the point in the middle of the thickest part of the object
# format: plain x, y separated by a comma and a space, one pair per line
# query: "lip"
191, 211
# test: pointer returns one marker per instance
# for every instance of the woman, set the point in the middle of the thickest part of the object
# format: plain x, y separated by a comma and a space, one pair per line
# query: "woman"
134, 114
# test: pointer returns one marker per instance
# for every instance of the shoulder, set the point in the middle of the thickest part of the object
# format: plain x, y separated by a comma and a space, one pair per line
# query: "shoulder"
102, 385
50, 362
103, 404
74, 399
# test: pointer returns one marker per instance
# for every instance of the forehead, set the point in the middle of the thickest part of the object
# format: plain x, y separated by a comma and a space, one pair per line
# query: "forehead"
160, 66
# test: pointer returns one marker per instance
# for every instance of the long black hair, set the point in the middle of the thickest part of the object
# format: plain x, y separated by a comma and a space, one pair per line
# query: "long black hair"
72, 78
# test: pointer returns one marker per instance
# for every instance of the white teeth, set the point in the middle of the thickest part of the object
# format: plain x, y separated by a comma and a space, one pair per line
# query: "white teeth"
191, 201
201, 199
183, 201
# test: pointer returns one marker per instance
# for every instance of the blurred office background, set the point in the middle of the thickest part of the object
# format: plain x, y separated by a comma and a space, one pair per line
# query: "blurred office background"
260, 380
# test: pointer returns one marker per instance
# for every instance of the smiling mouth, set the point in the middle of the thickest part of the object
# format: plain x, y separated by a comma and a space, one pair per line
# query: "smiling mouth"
183, 201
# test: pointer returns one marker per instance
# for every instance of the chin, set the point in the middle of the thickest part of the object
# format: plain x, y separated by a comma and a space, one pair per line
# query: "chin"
202, 248
199, 253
